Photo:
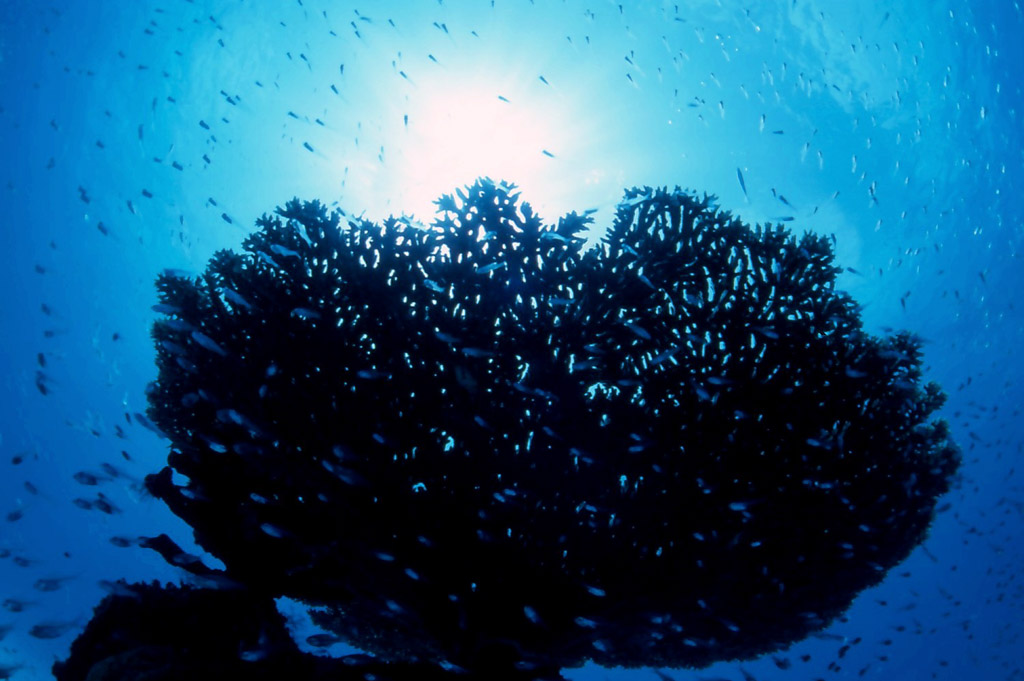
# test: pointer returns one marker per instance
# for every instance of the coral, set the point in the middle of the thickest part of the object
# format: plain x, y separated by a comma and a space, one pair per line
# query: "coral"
145, 632
479, 445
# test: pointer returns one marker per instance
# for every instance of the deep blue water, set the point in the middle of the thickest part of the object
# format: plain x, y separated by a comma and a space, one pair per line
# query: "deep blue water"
131, 132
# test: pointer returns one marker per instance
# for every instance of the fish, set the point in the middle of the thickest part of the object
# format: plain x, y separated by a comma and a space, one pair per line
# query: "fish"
51, 630
7, 670
103, 504
235, 298
41, 385
16, 605
148, 425
323, 640
111, 470
284, 251
48, 584
208, 343
638, 330
491, 267
743, 185
87, 478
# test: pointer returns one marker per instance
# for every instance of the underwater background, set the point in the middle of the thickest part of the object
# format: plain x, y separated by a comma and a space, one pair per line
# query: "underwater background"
140, 137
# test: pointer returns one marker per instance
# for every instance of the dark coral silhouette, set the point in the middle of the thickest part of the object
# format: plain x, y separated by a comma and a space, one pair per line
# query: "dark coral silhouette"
481, 447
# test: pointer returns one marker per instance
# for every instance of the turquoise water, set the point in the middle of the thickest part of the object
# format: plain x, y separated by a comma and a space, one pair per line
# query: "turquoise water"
147, 136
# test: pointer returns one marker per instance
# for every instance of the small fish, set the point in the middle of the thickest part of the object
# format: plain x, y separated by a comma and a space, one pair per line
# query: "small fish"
208, 343
48, 584
639, 330
273, 531
235, 298
51, 630
305, 313
322, 640
662, 357
41, 384
147, 424
87, 478
268, 260
15, 605
766, 331
743, 185
490, 268
7, 670
284, 251
103, 504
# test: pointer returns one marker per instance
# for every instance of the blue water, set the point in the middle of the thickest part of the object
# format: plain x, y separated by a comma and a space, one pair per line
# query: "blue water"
130, 133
